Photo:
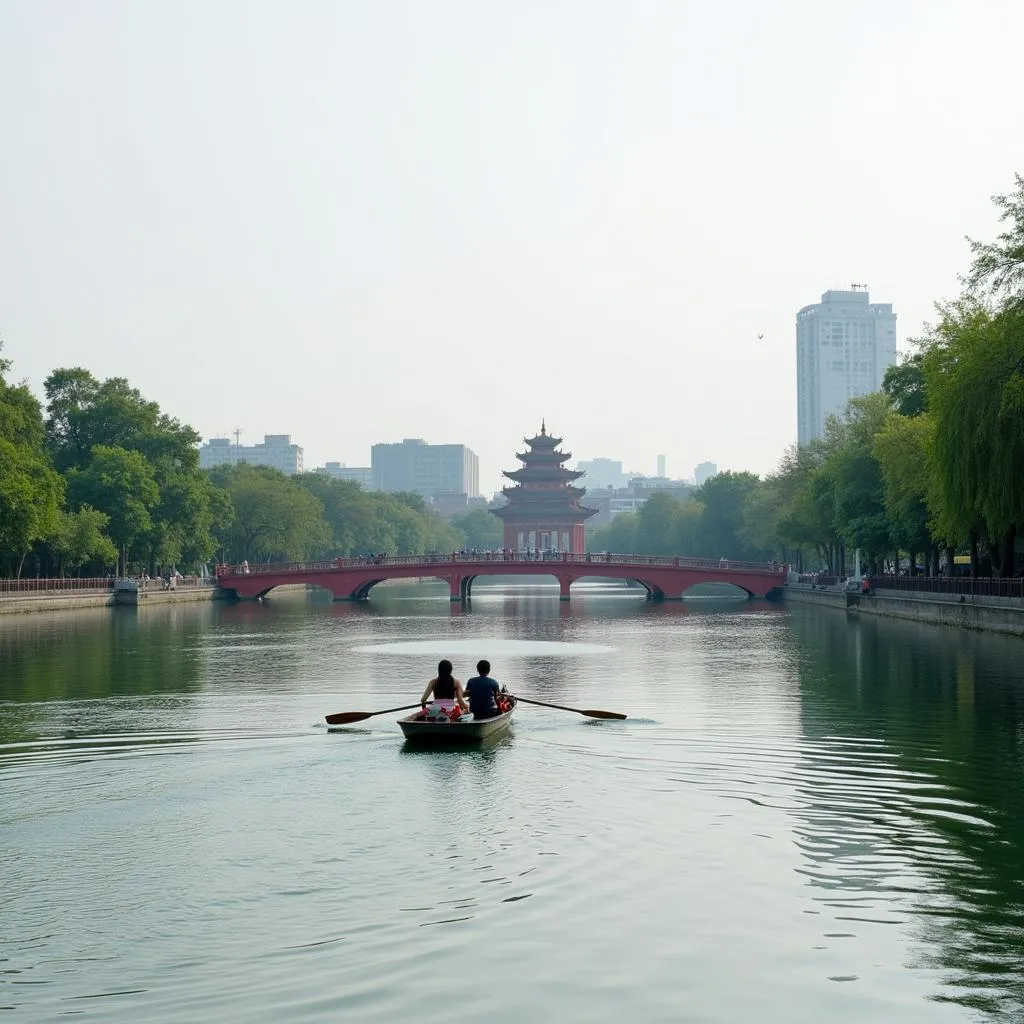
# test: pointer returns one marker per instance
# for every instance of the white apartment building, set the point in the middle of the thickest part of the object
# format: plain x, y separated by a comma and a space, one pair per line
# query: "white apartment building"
704, 471
844, 345
427, 469
277, 450
361, 475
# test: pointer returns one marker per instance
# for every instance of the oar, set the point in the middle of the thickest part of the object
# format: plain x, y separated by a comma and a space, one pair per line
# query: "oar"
345, 717
579, 711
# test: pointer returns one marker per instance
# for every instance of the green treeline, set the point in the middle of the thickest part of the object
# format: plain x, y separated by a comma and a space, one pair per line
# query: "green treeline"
934, 463
99, 480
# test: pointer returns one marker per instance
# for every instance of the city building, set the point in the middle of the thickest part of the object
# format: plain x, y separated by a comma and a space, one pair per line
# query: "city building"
704, 471
427, 469
544, 511
602, 473
611, 503
844, 345
447, 504
361, 475
661, 468
277, 451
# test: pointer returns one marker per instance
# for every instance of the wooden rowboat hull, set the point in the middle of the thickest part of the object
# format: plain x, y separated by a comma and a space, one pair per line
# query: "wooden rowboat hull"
465, 730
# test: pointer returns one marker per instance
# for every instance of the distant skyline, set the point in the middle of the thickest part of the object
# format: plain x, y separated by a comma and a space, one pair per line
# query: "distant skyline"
363, 222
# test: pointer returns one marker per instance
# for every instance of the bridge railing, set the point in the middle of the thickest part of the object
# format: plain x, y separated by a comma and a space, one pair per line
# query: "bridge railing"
594, 559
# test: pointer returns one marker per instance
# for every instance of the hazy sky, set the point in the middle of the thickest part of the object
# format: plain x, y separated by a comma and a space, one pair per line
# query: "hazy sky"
368, 220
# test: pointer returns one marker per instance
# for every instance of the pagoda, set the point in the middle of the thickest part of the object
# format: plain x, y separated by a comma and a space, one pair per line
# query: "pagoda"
544, 511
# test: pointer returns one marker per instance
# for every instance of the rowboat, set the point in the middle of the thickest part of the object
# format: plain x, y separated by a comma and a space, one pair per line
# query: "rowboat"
418, 729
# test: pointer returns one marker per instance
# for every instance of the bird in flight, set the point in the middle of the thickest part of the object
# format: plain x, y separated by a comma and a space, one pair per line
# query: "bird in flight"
760, 337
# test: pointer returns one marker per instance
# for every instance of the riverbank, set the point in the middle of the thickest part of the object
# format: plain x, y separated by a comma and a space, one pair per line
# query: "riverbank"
53, 601
966, 611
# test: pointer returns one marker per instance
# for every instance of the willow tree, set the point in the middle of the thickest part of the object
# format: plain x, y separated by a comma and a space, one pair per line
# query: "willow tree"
804, 518
901, 449
998, 267
856, 477
973, 371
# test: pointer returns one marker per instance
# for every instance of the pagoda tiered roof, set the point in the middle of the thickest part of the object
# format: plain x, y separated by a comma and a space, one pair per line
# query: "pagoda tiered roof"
531, 495
546, 474
543, 485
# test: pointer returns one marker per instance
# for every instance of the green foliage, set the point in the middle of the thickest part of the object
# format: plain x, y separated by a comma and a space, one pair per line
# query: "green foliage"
31, 493
904, 384
274, 519
973, 364
121, 484
369, 522
855, 476
619, 535
726, 499
80, 539
902, 448
999, 266
480, 529
84, 413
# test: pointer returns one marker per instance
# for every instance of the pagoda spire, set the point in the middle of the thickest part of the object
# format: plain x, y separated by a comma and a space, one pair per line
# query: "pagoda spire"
544, 511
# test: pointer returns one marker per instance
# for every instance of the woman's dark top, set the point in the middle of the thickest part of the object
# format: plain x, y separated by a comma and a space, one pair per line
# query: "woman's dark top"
444, 689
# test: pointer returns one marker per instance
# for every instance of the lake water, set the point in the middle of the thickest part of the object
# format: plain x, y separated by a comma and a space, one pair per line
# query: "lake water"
804, 819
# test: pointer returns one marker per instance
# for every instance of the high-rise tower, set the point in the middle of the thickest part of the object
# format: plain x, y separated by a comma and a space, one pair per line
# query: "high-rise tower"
844, 345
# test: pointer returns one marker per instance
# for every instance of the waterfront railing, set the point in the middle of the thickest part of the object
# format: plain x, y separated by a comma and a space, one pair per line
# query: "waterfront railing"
90, 584
968, 586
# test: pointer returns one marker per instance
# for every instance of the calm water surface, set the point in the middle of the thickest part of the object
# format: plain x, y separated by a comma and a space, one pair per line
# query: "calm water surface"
805, 818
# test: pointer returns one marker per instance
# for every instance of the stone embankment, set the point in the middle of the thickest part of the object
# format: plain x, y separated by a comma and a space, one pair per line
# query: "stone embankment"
72, 600
967, 611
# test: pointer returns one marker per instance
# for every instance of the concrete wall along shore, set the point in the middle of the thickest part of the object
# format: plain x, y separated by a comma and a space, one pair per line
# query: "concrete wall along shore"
994, 614
74, 600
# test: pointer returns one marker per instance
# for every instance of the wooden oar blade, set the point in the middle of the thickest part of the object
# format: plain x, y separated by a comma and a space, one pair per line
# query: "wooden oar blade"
579, 711
345, 717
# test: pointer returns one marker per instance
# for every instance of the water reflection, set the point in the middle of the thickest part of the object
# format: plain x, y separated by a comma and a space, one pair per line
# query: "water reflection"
913, 783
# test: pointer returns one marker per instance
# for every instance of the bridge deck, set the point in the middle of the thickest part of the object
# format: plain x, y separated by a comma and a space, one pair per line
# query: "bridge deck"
352, 578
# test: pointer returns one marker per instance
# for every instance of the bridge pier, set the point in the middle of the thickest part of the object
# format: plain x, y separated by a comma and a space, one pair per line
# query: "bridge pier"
455, 588
564, 582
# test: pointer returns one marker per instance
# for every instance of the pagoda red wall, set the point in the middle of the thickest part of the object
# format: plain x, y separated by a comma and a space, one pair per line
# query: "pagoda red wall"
577, 542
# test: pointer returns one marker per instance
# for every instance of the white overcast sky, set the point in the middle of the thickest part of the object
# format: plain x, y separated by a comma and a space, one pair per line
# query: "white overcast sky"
367, 220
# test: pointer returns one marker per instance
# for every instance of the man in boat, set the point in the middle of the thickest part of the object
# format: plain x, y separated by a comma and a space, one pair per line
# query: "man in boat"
483, 692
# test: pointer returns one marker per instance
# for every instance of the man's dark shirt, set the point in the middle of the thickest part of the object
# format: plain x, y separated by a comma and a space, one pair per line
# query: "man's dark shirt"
482, 692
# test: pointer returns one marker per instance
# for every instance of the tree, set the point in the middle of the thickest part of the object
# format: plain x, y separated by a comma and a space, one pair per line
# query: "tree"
856, 477
904, 384
480, 529
998, 267
974, 361
618, 536
275, 519
31, 493
121, 484
725, 499
901, 448
79, 539
84, 413
657, 526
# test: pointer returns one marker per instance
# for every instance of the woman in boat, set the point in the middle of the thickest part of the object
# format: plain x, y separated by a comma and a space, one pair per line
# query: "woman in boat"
447, 693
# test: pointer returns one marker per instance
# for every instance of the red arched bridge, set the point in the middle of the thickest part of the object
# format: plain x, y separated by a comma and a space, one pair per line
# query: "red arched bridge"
351, 579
